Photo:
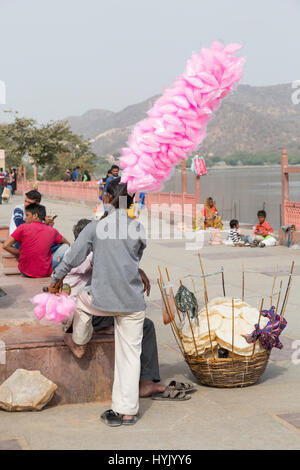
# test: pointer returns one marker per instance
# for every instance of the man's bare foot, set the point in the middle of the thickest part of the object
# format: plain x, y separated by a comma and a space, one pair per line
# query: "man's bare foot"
148, 388
77, 350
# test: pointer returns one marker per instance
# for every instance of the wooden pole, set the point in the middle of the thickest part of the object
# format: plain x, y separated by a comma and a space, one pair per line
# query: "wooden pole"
223, 281
273, 287
287, 288
232, 327
243, 282
261, 307
284, 182
173, 297
183, 176
204, 280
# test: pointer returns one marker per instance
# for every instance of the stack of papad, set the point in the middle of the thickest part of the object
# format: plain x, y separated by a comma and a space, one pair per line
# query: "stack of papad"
220, 320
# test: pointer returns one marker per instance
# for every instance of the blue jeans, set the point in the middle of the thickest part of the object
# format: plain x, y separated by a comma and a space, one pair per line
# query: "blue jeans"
58, 252
247, 239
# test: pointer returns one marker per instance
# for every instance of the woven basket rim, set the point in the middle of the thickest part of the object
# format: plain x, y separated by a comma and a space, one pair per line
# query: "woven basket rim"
228, 359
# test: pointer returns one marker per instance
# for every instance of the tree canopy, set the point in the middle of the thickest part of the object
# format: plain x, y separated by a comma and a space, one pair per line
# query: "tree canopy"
52, 146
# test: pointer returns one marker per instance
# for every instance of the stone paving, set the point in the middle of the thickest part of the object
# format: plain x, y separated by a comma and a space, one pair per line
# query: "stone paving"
263, 416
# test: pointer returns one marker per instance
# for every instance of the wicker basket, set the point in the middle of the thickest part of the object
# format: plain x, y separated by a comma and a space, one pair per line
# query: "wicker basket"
228, 373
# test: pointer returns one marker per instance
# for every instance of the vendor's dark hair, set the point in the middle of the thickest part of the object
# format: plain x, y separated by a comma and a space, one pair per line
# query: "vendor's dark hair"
262, 214
117, 190
233, 223
114, 166
37, 209
34, 195
81, 224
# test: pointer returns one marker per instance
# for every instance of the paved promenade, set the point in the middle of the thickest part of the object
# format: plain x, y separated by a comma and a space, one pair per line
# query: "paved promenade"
263, 416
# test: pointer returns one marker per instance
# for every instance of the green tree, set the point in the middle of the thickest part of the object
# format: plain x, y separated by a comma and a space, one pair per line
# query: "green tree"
52, 146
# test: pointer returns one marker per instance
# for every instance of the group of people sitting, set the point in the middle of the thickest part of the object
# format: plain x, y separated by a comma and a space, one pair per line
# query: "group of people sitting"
38, 246
263, 234
108, 285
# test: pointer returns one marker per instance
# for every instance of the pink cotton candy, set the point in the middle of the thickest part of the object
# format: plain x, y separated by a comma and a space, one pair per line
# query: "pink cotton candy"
53, 307
176, 124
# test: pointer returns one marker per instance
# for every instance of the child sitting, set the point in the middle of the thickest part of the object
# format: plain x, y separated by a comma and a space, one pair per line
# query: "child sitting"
236, 238
36, 239
262, 231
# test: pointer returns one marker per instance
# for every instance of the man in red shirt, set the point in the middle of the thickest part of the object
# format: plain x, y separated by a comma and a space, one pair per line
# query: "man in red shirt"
263, 230
36, 239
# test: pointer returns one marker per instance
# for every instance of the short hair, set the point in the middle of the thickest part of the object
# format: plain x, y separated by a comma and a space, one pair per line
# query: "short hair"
81, 224
34, 195
233, 223
114, 167
262, 214
37, 209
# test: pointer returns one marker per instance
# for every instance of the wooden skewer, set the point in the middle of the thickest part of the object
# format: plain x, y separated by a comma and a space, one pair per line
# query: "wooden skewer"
167, 310
232, 328
193, 334
275, 313
208, 324
223, 281
243, 282
261, 307
287, 288
273, 287
204, 280
173, 297
286, 302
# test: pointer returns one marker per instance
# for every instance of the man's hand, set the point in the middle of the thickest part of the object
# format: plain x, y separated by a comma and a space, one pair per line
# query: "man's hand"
49, 220
146, 282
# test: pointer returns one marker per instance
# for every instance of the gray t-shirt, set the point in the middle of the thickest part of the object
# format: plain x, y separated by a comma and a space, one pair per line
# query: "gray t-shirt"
118, 243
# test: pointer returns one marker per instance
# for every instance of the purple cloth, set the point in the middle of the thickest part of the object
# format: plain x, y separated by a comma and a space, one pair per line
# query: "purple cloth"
268, 336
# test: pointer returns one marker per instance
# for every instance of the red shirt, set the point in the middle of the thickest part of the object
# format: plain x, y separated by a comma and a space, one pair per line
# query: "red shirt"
36, 240
263, 229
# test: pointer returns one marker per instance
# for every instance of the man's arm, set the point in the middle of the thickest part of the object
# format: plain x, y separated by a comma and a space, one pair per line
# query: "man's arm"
64, 240
8, 246
77, 253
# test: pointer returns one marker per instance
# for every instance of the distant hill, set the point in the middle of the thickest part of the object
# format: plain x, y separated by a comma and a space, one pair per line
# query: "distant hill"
251, 119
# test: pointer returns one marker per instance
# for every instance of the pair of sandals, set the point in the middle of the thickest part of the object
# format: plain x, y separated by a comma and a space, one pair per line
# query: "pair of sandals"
175, 391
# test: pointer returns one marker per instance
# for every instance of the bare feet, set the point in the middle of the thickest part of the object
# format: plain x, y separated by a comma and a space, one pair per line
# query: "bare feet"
148, 388
77, 350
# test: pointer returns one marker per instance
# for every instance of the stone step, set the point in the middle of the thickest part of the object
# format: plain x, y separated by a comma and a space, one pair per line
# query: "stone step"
4, 231
10, 271
34, 346
9, 261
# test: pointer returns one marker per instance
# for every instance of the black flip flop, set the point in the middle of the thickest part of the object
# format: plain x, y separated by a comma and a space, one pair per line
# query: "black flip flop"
111, 418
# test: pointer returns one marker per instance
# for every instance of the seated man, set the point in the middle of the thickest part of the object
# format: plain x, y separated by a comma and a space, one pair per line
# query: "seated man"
36, 239
18, 218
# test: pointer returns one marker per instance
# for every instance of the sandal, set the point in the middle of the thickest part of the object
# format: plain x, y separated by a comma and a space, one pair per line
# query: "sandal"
186, 387
171, 394
129, 422
111, 418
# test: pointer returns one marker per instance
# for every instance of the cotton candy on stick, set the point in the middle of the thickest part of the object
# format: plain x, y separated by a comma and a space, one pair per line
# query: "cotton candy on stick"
53, 307
176, 124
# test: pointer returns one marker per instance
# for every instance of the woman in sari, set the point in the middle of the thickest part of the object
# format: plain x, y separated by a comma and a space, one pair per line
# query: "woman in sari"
212, 218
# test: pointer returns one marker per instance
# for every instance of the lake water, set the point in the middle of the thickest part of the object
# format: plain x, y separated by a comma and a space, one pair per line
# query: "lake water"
241, 192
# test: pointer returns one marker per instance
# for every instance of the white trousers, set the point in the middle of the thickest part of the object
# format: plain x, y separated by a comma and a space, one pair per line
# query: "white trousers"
128, 345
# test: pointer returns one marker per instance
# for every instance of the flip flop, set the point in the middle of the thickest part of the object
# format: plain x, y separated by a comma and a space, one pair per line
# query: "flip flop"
130, 422
186, 387
171, 394
111, 418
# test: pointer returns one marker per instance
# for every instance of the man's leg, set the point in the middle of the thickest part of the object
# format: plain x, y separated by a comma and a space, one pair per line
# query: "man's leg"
82, 325
149, 362
128, 345
58, 254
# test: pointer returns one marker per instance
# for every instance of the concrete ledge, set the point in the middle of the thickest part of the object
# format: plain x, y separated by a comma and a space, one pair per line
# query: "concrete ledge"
40, 347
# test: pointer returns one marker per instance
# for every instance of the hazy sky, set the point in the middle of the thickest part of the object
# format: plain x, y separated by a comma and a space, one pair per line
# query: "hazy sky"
64, 57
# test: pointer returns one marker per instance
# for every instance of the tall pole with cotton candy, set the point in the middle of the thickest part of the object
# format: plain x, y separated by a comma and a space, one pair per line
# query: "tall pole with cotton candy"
176, 124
